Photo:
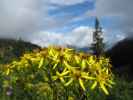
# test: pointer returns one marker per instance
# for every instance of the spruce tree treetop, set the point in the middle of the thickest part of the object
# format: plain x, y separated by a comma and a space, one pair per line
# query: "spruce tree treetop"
97, 45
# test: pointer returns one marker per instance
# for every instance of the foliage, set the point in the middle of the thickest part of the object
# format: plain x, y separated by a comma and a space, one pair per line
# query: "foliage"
98, 45
12, 49
123, 90
56, 74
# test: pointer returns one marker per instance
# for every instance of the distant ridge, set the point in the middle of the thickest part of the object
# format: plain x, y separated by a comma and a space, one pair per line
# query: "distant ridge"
122, 52
121, 56
10, 49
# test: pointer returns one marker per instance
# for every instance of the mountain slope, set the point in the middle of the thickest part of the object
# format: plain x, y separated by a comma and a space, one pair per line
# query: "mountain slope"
121, 56
10, 49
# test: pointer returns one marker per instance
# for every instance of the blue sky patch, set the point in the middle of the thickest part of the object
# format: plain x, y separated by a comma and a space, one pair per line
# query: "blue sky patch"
72, 10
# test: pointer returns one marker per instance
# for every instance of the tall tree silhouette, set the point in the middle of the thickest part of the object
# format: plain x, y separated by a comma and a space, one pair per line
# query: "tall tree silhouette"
97, 45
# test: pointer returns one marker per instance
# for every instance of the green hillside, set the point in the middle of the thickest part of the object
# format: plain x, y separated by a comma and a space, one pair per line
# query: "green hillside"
11, 49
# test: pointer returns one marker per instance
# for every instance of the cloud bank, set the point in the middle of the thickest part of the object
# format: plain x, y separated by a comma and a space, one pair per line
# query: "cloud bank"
19, 17
80, 37
31, 20
120, 10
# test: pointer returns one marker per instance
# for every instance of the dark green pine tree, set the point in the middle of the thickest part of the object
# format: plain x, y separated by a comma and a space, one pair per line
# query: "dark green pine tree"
97, 45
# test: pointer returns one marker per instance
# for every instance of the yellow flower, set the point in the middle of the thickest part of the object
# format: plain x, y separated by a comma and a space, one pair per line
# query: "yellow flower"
60, 75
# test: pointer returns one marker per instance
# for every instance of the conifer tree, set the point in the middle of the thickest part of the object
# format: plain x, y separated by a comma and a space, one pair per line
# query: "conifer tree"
97, 45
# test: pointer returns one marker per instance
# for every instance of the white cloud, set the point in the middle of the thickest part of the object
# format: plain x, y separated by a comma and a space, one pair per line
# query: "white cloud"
80, 37
19, 16
22, 18
119, 9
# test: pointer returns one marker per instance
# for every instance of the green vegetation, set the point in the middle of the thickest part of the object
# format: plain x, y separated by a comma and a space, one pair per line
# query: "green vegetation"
123, 90
56, 73
98, 44
12, 49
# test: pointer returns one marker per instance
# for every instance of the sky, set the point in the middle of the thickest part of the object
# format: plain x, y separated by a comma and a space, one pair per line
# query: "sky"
65, 22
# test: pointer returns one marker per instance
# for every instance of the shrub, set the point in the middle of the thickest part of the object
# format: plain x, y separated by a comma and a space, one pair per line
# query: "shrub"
56, 74
123, 90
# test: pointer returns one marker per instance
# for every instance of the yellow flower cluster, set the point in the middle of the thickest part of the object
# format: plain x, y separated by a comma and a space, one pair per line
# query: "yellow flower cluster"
67, 66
